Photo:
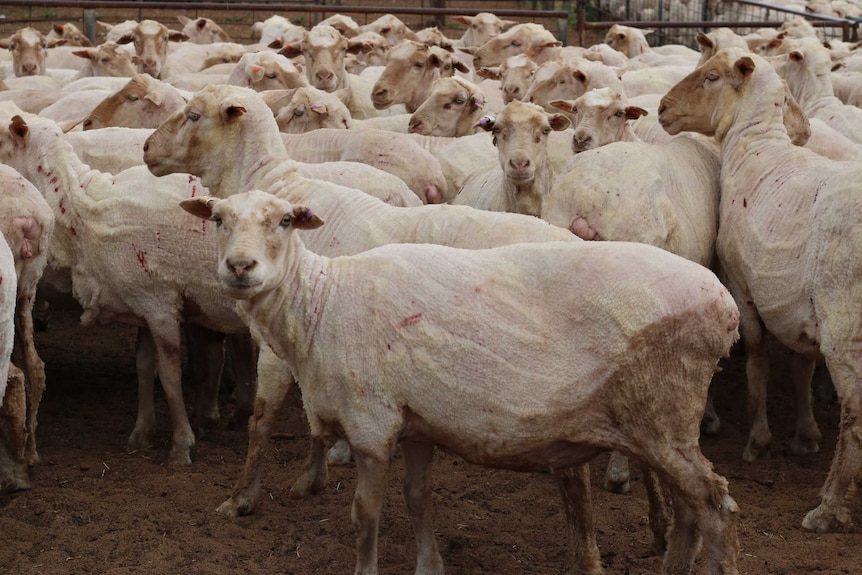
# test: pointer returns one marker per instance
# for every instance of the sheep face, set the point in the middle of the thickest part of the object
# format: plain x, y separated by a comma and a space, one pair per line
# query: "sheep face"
443, 113
253, 231
29, 49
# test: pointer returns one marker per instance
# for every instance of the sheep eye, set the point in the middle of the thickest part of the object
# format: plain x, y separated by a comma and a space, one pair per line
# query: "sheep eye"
103, 60
712, 77
217, 220
285, 222
194, 116
546, 130
516, 44
298, 112
459, 101
418, 65
620, 114
270, 75
132, 98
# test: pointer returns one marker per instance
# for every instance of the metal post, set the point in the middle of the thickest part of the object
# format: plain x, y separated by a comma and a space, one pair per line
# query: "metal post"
90, 26
563, 24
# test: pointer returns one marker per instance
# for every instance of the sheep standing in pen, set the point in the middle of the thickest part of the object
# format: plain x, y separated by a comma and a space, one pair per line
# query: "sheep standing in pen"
788, 240
491, 355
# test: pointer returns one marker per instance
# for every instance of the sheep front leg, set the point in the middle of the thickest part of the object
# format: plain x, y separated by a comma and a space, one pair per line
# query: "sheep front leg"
757, 373
807, 437
574, 485
145, 367
168, 363
34, 370
371, 470
617, 474
206, 360
245, 376
417, 496
275, 381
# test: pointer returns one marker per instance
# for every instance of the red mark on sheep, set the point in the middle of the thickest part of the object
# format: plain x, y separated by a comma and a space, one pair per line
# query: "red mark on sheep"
744, 203
412, 320
142, 257
54, 180
62, 207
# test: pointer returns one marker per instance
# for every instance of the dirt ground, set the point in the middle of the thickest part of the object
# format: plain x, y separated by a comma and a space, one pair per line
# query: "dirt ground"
95, 509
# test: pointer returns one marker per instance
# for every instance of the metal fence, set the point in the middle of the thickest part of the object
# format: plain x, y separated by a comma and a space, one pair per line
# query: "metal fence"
581, 22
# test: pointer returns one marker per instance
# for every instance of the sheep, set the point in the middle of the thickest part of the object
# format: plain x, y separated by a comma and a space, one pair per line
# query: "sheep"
411, 70
13, 466
396, 154
346, 25
114, 32
68, 34
123, 270
521, 134
202, 30
108, 59
567, 80
633, 44
807, 73
599, 117
262, 164
266, 71
515, 75
453, 108
391, 28
528, 38
576, 407
375, 50
788, 243
307, 109
29, 49
481, 28
151, 39
27, 223
143, 102
432, 36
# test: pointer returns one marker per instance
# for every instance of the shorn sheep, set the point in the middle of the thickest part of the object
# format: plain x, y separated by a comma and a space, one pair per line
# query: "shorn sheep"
492, 355
788, 239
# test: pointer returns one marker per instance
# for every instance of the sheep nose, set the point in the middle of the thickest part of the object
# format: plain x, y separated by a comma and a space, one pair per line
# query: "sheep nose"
662, 108
520, 163
324, 76
146, 145
414, 126
241, 266
581, 140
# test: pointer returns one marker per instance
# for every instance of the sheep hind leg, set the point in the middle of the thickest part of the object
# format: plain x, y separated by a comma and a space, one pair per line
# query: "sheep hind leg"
206, 360
757, 373
145, 367
660, 510
574, 486
244, 354
833, 512
703, 512
417, 496
807, 437
34, 372
167, 342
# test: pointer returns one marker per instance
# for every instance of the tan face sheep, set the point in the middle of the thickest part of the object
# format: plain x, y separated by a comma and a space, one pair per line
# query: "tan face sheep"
344, 24
151, 39
481, 28
599, 117
531, 39
29, 49
515, 76
202, 30
411, 69
107, 59
453, 108
67, 35
555, 404
789, 245
391, 28
143, 102
567, 80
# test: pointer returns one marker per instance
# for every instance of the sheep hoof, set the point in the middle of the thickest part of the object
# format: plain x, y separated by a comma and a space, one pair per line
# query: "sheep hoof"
753, 452
801, 446
339, 454
235, 506
822, 520
617, 486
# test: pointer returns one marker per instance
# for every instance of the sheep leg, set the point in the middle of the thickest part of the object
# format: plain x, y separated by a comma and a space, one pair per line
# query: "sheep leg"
13, 417
417, 496
833, 513
245, 376
660, 512
703, 511
168, 364
574, 485
807, 437
34, 371
206, 360
275, 381
617, 474
145, 366
757, 373
710, 423
371, 469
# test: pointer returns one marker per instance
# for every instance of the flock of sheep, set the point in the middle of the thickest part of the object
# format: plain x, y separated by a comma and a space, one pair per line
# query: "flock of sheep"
400, 223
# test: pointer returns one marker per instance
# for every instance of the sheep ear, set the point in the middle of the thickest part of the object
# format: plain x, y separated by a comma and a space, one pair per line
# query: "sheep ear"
18, 127
230, 112
489, 72
705, 41
201, 207
745, 66
633, 112
155, 97
565, 105
83, 54
304, 219
183, 19
559, 122
486, 123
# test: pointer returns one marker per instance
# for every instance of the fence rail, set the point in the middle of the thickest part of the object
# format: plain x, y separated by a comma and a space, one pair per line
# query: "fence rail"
575, 21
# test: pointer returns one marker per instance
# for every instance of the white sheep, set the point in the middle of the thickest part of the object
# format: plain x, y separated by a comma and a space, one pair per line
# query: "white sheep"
526, 38
523, 176
452, 108
29, 49
27, 223
120, 247
151, 39
237, 115
202, 30
492, 356
307, 109
143, 102
788, 241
